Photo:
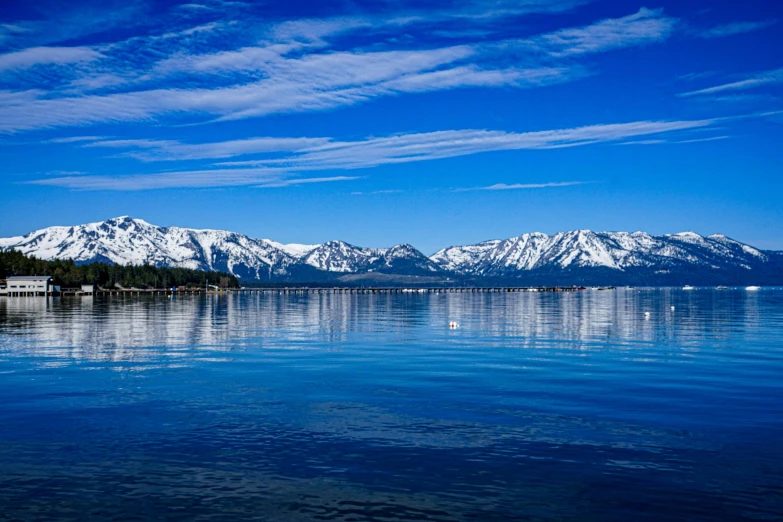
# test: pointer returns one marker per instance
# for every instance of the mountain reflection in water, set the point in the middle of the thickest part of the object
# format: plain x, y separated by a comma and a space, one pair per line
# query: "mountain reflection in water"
369, 407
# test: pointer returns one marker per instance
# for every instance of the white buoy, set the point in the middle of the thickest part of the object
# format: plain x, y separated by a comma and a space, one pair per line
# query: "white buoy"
672, 308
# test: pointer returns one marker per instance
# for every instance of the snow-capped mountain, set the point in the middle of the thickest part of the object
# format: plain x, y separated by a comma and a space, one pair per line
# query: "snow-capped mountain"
404, 259
636, 254
577, 257
125, 240
339, 256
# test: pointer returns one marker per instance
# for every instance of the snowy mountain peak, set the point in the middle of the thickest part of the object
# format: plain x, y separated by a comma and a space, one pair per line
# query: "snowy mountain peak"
123, 221
127, 240
293, 249
404, 258
339, 256
402, 250
585, 248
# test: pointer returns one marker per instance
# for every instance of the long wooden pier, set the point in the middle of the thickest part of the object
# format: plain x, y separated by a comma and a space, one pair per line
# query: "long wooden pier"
337, 290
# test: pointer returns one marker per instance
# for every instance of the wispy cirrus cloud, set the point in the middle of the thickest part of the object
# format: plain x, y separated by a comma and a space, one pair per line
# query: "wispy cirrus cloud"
196, 7
308, 84
9, 30
666, 141
170, 150
65, 173
405, 148
761, 79
377, 192
259, 178
643, 142
77, 139
644, 27
527, 186
493, 8
731, 29
305, 181
296, 69
73, 20
325, 154
699, 140
481, 11
47, 56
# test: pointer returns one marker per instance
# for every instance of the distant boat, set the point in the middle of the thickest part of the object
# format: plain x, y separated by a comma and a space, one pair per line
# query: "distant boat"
751, 288
687, 287
721, 287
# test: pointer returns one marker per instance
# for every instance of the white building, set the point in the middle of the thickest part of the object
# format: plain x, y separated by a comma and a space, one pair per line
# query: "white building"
28, 285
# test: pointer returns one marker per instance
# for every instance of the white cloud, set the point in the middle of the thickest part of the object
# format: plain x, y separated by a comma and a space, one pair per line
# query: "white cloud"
305, 181
97, 81
313, 32
168, 150
643, 142
377, 192
731, 29
309, 84
196, 7
294, 70
747, 98
8, 30
11, 28
260, 178
406, 148
65, 173
321, 154
76, 139
74, 20
47, 56
696, 76
179, 179
666, 141
645, 27
757, 80
487, 10
524, 186
699, 140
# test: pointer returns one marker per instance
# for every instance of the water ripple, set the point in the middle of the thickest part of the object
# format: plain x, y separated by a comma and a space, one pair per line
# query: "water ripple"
368, 407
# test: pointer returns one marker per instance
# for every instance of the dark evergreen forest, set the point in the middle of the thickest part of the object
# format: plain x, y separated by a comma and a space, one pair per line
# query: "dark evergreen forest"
69, 274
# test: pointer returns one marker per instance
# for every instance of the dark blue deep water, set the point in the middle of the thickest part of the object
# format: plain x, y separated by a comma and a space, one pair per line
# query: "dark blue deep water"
368, 407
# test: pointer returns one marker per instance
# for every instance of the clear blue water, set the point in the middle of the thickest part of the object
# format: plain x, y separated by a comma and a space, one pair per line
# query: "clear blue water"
368, 407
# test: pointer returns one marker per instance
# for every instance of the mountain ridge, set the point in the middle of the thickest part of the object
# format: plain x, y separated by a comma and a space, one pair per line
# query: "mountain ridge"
572, 257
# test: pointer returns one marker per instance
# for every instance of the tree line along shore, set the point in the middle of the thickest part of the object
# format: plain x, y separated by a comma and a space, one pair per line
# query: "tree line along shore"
67, 273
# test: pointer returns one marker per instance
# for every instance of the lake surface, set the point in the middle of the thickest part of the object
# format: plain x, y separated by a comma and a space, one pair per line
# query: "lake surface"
573, 406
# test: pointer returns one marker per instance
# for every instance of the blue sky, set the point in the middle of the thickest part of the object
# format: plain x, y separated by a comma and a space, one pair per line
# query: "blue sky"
434, 123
